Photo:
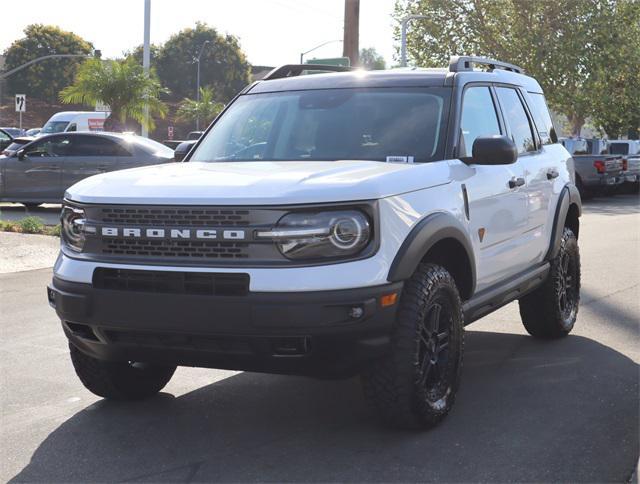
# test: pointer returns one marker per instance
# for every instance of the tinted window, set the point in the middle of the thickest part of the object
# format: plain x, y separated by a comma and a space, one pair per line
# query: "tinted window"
331, 124
619, 148
542, 118
478, 118
53, 146
96, 146
517, 119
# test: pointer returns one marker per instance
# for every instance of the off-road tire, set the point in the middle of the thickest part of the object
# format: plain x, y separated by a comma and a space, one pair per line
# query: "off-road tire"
551, 310
394, 384
119, 380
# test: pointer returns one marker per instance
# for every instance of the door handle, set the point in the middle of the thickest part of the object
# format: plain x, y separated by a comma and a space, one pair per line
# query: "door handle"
552, 173
516, 182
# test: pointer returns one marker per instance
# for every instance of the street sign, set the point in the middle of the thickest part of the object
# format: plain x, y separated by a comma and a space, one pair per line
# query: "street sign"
170, 132
21, 103
333, 61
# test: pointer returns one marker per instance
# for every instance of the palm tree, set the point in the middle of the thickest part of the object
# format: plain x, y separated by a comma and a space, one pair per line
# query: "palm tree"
204, 110
123, 86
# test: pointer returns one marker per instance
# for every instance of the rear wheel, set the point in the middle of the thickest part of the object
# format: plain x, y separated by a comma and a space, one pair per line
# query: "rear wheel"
551, 310
119, 380
415, 385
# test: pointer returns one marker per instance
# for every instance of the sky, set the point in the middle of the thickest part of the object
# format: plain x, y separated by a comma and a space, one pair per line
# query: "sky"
271, 32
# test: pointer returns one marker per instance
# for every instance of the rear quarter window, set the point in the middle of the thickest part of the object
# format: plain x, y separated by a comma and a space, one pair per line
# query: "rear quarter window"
542, 118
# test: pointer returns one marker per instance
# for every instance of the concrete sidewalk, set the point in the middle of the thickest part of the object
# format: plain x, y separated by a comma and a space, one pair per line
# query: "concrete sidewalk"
23, 252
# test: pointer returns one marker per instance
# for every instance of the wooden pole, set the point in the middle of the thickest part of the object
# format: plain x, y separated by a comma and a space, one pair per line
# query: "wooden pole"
351, 30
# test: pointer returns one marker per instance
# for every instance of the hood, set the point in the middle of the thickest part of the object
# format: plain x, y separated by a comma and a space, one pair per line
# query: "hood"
258, 183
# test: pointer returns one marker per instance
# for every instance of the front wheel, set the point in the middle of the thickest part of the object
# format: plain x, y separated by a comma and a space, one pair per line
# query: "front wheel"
119, 380
415, 385
551, 310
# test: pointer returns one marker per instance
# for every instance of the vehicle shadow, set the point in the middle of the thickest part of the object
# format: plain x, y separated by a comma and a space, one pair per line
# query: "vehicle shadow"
623, 204
527, 411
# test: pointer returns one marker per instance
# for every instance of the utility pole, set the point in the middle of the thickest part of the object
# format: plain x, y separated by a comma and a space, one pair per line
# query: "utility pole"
403, 37
146, 56
351, 31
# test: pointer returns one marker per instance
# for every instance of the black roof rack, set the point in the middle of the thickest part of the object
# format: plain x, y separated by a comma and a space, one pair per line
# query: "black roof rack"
466, 62
294, 70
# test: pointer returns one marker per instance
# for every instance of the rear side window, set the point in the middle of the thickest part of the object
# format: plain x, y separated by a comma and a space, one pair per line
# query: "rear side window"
542, 118
619, 148
478, 119
96, 146
4, 136
516, 116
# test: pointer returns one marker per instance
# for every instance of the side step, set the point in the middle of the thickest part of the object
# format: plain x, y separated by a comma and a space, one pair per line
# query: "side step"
495, 297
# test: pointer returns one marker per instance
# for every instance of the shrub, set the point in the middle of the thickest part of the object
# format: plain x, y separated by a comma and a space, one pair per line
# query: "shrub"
31, 225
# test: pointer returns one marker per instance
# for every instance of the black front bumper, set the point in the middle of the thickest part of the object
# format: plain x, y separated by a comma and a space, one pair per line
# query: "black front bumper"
325, 334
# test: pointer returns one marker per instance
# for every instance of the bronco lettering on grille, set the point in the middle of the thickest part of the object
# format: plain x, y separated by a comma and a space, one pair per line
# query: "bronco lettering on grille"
180, 234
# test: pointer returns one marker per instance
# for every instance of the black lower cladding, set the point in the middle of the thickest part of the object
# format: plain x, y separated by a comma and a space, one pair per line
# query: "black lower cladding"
213, 320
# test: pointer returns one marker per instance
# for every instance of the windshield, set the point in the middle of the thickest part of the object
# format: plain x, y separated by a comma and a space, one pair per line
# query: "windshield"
382, 124
54, 127
155, 147
619, 148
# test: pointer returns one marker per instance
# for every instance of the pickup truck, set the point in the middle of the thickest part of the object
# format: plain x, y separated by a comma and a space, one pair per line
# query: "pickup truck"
630, 151
596, 169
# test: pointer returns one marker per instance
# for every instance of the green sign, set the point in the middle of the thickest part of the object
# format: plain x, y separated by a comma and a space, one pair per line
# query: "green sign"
333, 61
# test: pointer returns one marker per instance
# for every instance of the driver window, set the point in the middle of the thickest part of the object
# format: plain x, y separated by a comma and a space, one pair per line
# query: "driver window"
478, 118
49, 147
72, 127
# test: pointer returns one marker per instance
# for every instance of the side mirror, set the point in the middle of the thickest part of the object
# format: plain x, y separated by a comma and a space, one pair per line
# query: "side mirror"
182, 149
21, 154
494, 150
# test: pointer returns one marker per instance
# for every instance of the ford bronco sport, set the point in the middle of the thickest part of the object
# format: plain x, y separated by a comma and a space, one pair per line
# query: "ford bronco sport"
328, 225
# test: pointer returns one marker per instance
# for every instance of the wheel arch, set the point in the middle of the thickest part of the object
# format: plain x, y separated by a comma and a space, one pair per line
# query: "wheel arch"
438, 238
568, 212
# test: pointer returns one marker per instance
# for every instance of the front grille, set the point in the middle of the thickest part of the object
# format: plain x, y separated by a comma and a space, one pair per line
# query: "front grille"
174, 248
169, 282
195, 217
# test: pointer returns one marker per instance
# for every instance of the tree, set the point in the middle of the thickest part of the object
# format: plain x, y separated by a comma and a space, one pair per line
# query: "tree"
46, 78
204, 110
123, 85
556, 41
371, 60
617, 79
223, 65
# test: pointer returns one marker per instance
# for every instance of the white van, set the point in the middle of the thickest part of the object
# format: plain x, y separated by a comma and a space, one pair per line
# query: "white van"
68, 121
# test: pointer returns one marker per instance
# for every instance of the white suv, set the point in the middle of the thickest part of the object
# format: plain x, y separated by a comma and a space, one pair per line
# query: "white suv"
328, 225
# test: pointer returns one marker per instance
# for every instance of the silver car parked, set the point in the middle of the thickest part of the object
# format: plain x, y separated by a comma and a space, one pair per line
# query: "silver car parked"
43, 169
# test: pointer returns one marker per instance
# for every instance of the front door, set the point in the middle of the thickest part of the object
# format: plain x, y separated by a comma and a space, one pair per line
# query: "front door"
497, 200
37, 174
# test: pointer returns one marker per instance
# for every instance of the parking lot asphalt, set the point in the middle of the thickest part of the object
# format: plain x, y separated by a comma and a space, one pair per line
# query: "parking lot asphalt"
527, 410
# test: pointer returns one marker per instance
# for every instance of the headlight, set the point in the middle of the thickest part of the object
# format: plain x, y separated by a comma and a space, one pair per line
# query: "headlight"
323, 235
73, 220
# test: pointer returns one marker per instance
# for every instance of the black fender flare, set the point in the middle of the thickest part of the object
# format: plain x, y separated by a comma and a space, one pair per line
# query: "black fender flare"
423, 236
568, 196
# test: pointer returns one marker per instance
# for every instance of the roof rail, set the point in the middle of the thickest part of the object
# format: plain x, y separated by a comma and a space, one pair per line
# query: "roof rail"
294, 70
466, 62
